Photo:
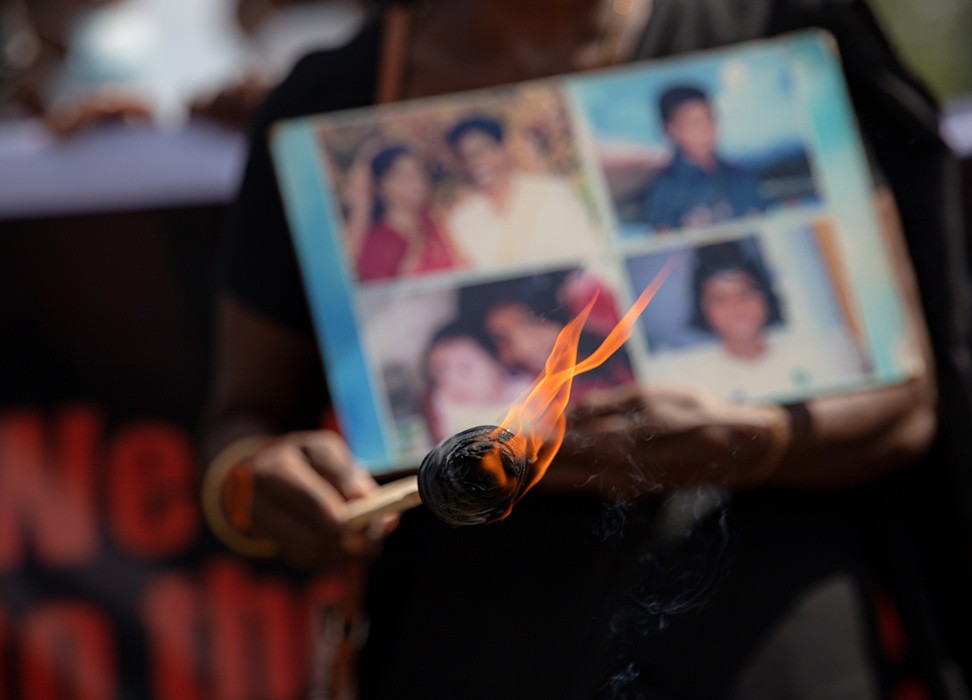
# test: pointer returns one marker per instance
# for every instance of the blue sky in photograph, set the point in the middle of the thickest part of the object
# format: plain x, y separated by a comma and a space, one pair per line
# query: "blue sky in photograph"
751, 90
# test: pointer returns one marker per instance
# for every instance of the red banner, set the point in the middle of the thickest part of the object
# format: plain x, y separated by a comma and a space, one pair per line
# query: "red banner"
110, 585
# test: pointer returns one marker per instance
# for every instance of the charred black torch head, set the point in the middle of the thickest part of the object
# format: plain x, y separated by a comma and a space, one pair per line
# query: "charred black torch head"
460, 479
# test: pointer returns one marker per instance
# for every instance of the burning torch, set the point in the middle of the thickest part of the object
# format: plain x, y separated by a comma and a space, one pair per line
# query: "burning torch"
477, 475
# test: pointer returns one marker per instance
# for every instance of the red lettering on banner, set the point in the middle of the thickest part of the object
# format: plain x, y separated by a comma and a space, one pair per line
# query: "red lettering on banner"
332, 660
47, 490
152, 490
170, 609
258, 635
231, 635
221, 632
4, 650
68, 653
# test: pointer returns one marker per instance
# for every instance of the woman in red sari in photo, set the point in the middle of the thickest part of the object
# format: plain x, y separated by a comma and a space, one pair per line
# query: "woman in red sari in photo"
402, 237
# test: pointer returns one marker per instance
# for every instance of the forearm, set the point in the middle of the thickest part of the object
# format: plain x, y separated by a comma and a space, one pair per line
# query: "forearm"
828, 442
646, 441
218, 432
260, 382
268, 489
850, 439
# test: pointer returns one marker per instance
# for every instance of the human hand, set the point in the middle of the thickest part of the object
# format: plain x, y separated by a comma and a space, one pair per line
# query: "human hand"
71, 117
301, 483
234, 104
633, 441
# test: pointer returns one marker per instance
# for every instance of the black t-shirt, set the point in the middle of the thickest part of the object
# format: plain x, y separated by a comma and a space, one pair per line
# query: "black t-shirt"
259, 266
568, 598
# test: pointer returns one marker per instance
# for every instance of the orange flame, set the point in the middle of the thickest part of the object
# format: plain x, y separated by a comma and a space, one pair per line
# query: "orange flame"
537, 421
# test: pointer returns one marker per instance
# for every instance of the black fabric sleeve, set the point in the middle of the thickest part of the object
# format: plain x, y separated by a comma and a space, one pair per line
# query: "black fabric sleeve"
257, 263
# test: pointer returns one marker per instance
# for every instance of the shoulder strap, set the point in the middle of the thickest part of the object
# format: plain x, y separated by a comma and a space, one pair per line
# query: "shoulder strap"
393, 53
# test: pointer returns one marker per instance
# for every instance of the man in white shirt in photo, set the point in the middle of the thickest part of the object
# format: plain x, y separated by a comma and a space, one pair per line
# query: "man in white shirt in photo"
509, 215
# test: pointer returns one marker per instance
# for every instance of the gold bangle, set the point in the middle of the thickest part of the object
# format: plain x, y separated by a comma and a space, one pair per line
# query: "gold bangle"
779, 438
211, 497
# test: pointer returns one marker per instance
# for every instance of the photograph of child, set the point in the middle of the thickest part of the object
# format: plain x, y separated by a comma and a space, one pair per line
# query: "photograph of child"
450, 359
698, 145
697, 187
465, 384
457, 184
750, 318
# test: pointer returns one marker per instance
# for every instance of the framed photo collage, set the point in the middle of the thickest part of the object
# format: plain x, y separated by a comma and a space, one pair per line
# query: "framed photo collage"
444, 242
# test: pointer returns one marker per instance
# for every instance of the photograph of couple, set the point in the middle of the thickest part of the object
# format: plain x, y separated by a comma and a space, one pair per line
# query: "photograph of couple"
462, 188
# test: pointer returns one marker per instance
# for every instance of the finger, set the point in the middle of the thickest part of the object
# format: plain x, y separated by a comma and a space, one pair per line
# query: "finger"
287, 478
68, 120
330, 456
271, 519
606, 401
307, 537
308, 531
306, 547
383, 526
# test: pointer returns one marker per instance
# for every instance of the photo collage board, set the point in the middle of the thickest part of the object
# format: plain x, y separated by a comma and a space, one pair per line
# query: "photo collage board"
444, 242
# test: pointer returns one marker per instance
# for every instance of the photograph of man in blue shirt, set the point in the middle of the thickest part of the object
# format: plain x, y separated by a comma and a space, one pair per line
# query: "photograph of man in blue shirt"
697, 188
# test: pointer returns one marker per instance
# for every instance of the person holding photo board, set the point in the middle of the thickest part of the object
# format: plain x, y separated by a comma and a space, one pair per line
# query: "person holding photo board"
566, 597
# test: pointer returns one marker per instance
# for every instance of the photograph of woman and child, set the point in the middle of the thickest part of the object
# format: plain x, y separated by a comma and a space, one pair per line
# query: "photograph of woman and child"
473, 351
454, 187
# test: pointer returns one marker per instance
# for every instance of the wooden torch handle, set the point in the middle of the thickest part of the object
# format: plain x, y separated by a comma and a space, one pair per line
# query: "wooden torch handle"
393, 497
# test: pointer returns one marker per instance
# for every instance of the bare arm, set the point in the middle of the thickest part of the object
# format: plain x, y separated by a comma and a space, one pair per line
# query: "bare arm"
260, 368
643, 439
853, 438
300, 480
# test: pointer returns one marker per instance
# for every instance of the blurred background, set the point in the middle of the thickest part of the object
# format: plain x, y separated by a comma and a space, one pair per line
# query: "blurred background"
933, 39
122, 138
